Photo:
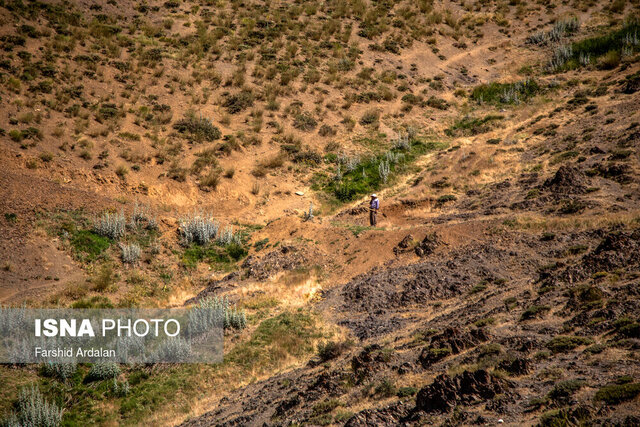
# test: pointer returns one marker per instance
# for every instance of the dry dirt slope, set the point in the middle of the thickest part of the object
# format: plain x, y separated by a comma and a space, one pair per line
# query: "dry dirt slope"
521, 302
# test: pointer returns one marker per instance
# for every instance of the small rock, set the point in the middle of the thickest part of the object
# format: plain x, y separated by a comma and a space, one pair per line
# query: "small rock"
299, 193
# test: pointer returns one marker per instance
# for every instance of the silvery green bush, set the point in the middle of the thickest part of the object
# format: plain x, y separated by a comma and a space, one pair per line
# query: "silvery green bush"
111, 225
129, 347
198, 228
235, 318
12, 319
383, 170
208, 314
560, 57
402, 142
174, 349
120, 389
34, 411
211, 309
555, 35
227, 236
141, 217
308, 216
103, 371
60, 370
130, 253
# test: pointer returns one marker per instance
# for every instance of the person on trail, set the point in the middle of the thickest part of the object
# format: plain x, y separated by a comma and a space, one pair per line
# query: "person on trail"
374, 205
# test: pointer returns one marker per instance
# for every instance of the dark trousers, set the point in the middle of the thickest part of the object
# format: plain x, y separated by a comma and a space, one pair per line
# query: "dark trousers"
373, 217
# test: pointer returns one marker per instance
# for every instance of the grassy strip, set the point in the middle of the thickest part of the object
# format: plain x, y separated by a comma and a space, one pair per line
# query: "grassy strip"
365, 178
605, 51
505, 93
219, 257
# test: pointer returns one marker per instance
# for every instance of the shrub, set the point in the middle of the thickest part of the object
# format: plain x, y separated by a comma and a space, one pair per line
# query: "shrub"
204, 159
32, 133
235, 318
565, 389
130, 253
177, 172
560, 28
108, 111
46, 157
534, 311
469, 126
565, 417
330, 350
370, 117
211, 180
60, 370
200, 129
437, 103
198, 228
563, 344
305, 122
238, 102
34, 410
617, 393
406, 391
386, 388
16, 135
111, 225
236, 251
273, 162
445, 199
326, 130
572, 207
610, 60
229, 173
103, 371
93, 302
505, 93
232, 316
173, 350
226, 236
309, 157
122, 171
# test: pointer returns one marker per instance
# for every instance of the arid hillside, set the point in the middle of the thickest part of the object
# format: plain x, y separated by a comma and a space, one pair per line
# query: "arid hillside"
180, 152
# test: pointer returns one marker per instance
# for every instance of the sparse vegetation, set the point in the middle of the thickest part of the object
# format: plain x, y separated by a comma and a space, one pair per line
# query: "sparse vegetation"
505, 93
198, 128
34, 410
617, 393
561, 344
501, 282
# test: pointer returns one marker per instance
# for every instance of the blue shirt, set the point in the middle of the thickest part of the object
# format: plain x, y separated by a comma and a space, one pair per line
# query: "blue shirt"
375, 204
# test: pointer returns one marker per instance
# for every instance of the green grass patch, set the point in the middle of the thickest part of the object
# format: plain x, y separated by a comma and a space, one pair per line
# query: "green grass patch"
469, 126
89, 246
275, 340
219, 257
563, 344
605, 51
365, 177
617, 393
505, 93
